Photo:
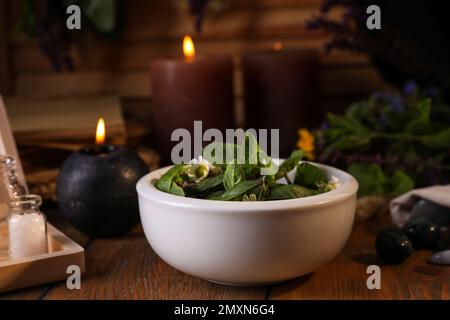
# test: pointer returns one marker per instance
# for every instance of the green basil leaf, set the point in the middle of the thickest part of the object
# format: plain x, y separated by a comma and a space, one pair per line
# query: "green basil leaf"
251, 171
221, 153
217, 195
239, 189
309, 175
205, 184
258, 190
290, 163
266, 165
176, 190
234, 173
271, 180
251, 148
290, 191
167, 184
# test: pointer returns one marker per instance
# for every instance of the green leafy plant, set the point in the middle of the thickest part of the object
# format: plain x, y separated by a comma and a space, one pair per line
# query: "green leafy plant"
242, 180
372, 180
391, 142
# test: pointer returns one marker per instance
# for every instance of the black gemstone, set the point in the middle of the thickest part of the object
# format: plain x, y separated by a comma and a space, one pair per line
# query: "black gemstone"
444, 240
423, 233
431, 211
393, 246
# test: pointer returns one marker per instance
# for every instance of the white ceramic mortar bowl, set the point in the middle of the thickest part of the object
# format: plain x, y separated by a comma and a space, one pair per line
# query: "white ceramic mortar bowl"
247, 243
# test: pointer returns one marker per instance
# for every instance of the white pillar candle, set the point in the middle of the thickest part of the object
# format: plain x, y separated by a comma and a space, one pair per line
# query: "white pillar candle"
27, 235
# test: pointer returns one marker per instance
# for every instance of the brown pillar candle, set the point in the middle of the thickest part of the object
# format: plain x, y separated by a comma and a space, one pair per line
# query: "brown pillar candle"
184, 91
281, 89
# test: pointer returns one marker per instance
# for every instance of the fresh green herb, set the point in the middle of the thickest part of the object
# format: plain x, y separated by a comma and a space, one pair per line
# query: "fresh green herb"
239, 189
167, 182
205, 184
289, 164
217, 195
309, 176
290, 191
234, 173
391, 141
373, 180
251, 175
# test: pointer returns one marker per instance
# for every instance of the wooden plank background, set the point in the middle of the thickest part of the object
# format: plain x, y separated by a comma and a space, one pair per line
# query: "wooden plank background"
155, 29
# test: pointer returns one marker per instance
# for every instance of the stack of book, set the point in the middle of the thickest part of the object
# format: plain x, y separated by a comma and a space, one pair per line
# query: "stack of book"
64, 123
47, 130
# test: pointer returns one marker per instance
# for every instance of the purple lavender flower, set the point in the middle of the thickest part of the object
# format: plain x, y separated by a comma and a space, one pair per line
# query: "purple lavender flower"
393, 100
410, 88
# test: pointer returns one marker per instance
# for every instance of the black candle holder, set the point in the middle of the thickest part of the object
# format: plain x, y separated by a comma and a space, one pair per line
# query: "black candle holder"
96, 189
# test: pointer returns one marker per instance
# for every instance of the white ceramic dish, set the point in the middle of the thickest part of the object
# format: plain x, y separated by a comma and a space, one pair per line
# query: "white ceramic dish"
247, 243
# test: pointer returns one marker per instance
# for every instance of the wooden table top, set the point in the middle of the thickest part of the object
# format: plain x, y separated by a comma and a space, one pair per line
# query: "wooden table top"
127, 268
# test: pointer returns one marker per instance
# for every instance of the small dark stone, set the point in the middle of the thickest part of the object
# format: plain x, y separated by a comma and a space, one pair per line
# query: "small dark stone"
393, 246
442, 257
431, 211
423, 233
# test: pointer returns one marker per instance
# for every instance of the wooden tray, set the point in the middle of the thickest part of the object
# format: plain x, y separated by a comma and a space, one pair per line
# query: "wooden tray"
49, 267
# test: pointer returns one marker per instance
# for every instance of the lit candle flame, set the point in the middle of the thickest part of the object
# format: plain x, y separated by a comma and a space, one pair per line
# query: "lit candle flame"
188, 48
100, 132
277, 46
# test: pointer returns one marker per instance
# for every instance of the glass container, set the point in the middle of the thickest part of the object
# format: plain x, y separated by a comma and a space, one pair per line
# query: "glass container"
27, 227
9, 184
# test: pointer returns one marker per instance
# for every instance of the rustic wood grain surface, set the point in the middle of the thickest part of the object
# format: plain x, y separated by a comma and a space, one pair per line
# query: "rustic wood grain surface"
127, 268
